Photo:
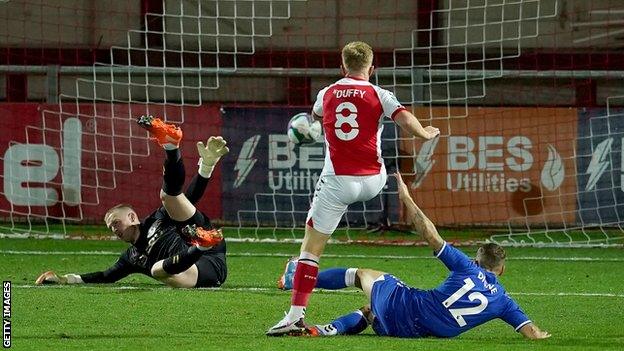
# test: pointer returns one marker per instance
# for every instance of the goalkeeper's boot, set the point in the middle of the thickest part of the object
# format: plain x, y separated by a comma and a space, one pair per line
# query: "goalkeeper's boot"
166, 135
286, 327
204, 238
285, 282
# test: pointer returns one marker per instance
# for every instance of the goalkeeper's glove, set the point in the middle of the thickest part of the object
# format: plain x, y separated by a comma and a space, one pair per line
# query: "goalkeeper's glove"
50, 277
210, 153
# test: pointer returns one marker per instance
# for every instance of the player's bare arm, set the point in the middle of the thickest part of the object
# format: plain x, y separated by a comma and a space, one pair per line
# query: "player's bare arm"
407, 121
531, 331
421, 223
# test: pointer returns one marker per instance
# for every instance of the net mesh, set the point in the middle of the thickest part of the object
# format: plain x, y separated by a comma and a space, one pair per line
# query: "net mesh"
526, 94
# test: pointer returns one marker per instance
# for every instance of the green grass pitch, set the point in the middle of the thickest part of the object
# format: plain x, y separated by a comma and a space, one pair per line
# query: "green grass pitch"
576, 294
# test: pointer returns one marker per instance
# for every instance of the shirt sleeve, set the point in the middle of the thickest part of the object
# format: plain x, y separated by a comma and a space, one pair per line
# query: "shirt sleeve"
318, 104
121, 269
514, 315
391, 106
453, 259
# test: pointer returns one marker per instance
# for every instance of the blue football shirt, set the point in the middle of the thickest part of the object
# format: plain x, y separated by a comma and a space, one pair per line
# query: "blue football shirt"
469, 296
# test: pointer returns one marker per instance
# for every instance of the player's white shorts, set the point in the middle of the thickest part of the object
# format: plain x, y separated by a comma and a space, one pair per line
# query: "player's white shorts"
333, 194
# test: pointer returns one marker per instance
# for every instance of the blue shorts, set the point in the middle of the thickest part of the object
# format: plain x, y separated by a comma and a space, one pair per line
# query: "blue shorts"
394, 306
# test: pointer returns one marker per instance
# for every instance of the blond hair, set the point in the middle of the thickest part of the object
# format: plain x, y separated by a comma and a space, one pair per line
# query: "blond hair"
357, 56
491, 256
116, 207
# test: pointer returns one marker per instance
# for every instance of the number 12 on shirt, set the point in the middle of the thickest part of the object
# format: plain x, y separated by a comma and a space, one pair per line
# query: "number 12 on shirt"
459, 313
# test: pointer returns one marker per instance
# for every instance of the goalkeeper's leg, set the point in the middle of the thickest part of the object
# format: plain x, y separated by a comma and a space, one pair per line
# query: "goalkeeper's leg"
192, 268
177, 205
179, 270
169, 137
175, 202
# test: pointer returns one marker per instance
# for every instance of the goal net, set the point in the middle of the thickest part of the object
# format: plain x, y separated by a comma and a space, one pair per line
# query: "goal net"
526, 93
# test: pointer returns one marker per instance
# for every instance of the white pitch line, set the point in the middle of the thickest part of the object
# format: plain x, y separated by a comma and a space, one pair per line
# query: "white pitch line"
567, 294
163, 287
279, 254
56, 253
264, 290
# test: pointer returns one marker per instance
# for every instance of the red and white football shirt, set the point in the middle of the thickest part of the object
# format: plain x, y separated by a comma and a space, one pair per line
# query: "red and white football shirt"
352, 111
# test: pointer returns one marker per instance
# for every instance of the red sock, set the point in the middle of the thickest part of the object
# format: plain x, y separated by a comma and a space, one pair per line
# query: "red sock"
303, 283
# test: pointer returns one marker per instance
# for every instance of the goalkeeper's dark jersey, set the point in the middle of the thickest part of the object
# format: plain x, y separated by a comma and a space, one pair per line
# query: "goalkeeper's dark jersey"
159, 239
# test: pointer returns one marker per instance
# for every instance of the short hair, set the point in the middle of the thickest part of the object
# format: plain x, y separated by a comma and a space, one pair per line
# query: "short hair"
491, 256
116, 207
357, 56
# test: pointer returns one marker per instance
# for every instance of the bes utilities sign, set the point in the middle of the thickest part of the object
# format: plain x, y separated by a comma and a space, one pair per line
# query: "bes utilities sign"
496, 165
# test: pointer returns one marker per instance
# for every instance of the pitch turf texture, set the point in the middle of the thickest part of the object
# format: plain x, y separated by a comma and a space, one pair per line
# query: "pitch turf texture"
576, 294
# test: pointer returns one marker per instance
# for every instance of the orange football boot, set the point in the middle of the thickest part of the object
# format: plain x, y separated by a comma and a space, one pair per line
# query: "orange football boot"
202, 237
163, 133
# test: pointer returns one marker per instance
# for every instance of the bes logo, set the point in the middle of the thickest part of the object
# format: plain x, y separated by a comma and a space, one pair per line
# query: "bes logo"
598, 163
423, 162
289, 167
245, 161
601, 160
486, 163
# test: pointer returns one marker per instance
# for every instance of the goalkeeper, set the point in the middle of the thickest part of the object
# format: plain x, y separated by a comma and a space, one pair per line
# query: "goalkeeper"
176, 244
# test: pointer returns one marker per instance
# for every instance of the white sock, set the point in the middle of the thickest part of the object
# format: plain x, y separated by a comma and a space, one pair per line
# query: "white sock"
169, 146
296, 313
350, 276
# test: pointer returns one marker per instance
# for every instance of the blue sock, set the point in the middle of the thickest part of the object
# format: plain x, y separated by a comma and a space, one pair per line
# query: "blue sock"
350, 324
332, 279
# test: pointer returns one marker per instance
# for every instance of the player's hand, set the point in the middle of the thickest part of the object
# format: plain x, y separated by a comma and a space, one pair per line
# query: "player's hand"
543, 334
431, 132
212, 151
50, 277
402, 188
531, 331
316, 130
